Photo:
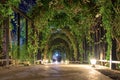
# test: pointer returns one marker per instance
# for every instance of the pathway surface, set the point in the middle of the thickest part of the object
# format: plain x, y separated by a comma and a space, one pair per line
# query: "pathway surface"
52, 72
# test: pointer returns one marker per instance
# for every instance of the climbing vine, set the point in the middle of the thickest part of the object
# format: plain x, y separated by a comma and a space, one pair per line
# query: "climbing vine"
62, 14
106, 11
77, 16
5, 12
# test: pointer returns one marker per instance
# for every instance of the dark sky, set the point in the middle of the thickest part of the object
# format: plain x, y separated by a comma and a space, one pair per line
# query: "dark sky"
26, 5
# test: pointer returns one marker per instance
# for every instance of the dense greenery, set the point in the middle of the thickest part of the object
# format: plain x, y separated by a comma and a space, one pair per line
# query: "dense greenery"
60, 14
106, 12
6, 8
76, 16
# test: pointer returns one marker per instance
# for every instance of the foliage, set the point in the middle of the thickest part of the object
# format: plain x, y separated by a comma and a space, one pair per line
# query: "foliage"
106, 19
75, 15
5, 12
23, 53
14, 51
116, 20
32, 46
6, 8
57, 14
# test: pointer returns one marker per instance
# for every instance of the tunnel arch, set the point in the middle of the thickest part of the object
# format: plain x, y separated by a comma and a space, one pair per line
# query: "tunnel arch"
63, 39
69, 36
63, 46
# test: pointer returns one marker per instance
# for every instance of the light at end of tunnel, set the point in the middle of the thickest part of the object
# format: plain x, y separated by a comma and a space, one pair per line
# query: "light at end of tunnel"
93, 62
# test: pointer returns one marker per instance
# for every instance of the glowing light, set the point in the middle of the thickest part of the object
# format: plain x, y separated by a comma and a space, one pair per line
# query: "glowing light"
45, 61
93, 62
56, 54
98, 15
66, 62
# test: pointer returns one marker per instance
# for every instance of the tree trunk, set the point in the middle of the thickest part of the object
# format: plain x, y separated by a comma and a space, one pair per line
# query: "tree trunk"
6, 41
18, 36
114, 57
